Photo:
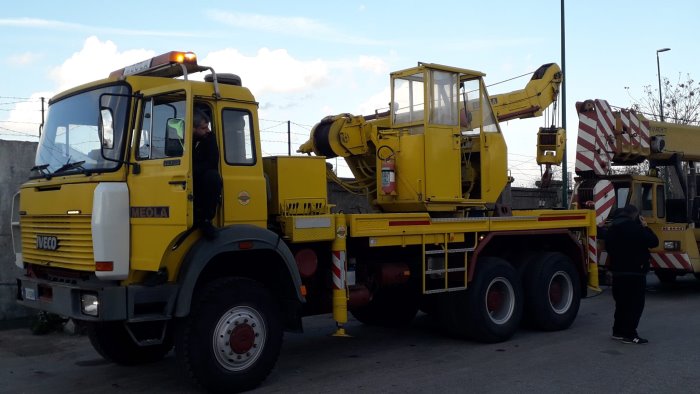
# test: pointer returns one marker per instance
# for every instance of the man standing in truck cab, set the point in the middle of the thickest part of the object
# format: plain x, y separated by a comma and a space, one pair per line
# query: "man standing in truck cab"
628, 241
205, 171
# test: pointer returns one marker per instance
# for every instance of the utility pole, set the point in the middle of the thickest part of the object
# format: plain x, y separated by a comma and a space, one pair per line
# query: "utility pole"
289, 138
564, 165
41, 126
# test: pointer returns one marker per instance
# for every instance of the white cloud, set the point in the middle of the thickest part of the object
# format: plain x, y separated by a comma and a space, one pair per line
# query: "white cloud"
38, 23
374, 64
25, 117
94, 61
377, 102
35, 23
270, 71
290, 26
278, 80
23, 59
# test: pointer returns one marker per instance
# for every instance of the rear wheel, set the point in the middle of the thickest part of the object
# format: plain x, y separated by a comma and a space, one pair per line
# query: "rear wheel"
552, 292
491, 308
233, 336
113, 342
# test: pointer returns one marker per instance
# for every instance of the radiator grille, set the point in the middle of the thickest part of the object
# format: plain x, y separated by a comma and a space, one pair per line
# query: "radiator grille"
74, 241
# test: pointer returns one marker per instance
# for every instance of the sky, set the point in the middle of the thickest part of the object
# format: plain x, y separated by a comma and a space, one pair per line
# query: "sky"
304, 60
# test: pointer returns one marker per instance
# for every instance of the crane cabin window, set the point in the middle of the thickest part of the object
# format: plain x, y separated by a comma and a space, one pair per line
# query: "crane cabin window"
407, 104
476, 114
488, 118
444, 98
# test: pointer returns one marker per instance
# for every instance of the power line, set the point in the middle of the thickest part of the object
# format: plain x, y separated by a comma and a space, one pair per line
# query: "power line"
18, 98
20, 110
17, 102
510, 79
18, 122
303, 125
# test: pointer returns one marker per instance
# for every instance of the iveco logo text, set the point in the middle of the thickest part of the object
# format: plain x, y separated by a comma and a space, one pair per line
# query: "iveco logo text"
46, 242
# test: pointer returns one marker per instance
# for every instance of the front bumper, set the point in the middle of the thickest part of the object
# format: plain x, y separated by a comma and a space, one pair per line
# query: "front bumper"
115, 302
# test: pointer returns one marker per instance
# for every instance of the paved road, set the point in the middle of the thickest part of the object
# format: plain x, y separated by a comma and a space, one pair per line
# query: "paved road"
582, 359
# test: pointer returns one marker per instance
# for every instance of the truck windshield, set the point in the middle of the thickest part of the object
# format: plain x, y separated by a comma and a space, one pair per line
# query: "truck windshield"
70, 142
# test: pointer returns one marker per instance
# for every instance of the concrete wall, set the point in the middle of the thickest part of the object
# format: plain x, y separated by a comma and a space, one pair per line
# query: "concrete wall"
16, 158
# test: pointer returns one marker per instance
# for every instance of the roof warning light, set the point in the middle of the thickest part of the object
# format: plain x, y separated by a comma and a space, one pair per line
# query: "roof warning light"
171, 64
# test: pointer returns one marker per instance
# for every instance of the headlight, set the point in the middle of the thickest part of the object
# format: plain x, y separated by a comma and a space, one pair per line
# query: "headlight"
89, 304
672, 245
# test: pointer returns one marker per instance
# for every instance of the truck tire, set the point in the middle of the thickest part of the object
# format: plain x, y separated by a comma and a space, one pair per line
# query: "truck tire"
113, 342
492, 306
389, 307
552, 292
232, 338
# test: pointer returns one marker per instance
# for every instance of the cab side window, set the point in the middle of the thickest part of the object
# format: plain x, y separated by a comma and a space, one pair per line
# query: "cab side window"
238, 137
647, 199
660, 202
156, 139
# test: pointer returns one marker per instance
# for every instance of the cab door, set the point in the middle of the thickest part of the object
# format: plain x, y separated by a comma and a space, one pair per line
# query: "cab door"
244, 192
160, 194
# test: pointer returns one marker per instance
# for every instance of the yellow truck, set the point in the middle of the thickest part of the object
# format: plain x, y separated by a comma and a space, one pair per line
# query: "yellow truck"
106, 234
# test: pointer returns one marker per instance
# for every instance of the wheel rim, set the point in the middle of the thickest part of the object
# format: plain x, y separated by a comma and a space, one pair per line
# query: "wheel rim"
561, 292
239, 338
500, 300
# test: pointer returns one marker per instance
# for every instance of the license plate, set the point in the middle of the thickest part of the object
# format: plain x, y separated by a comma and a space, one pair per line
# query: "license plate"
29, 294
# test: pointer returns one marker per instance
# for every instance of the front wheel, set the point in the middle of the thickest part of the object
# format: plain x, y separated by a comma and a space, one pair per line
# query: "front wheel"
232, 338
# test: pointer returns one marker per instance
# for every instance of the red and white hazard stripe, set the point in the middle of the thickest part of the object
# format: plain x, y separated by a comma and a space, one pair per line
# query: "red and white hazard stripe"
674, 261
595, 143
585, 148
604, 200
592, 250
627, 137
644, 133
339, 269
634, 135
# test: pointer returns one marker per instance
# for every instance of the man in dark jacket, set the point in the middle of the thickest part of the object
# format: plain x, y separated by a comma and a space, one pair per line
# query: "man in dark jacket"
205, 171
627, 242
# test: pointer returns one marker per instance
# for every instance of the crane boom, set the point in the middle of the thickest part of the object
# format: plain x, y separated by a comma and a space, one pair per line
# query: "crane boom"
540, 92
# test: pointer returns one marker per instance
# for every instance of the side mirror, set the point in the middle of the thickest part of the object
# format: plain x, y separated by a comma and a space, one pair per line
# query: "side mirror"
174, 137
106, 128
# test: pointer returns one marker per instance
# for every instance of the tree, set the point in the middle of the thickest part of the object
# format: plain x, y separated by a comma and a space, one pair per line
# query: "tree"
681, 101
